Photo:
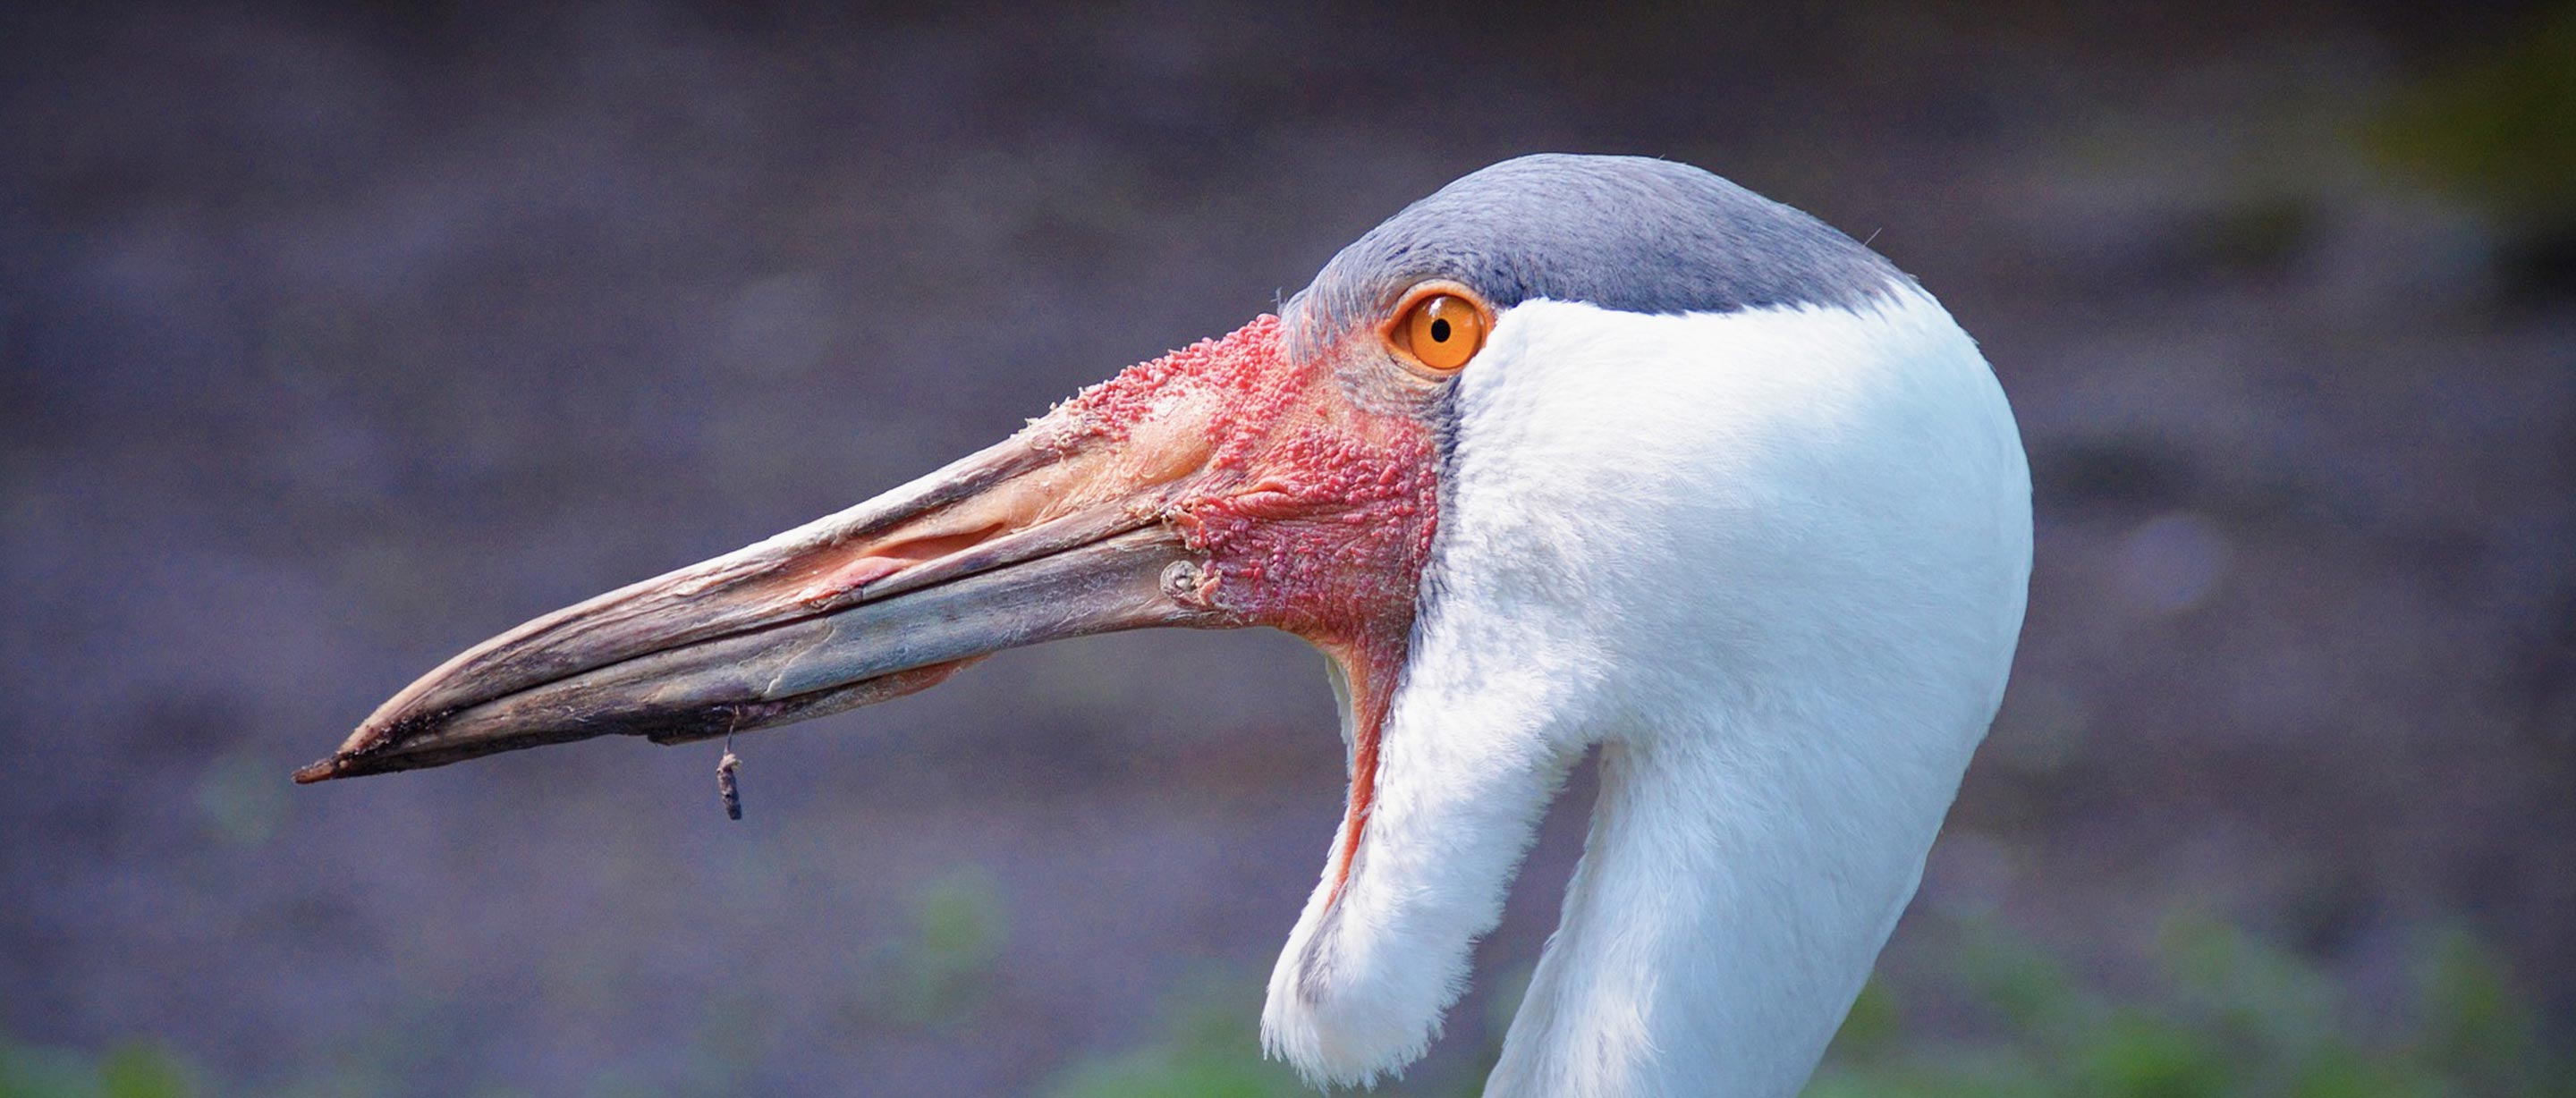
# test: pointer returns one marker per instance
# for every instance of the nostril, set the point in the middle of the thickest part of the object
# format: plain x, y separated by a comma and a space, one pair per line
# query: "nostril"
1181, 580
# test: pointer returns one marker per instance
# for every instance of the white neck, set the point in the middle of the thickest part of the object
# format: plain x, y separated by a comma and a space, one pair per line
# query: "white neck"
1774, 563
1715, 932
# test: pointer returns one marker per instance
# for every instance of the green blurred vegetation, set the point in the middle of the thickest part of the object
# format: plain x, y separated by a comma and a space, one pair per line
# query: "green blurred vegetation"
2497, 129
1208, 1046
2227, 1016
941, 972
130, 1071
2224, 1014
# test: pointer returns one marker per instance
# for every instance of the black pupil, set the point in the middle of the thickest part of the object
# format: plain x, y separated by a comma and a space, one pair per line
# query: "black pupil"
1440, 330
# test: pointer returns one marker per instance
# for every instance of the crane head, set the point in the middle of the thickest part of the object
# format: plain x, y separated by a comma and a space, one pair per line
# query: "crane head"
1576, 450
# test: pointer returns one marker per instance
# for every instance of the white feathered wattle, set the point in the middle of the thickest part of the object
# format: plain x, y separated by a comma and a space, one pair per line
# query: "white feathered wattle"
1773, 562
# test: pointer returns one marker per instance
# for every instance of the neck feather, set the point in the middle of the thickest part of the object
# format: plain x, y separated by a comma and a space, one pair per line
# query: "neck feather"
1733, 895
1773, 563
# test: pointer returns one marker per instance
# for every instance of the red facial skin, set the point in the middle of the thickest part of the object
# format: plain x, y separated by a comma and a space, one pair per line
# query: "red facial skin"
1238, 481
1315, 500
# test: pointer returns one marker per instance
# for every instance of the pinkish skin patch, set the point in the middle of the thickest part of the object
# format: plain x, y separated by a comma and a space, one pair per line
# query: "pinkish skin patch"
1316, 514
851, 577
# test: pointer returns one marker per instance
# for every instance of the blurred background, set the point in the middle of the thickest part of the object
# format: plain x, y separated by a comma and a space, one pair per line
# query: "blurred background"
334, 340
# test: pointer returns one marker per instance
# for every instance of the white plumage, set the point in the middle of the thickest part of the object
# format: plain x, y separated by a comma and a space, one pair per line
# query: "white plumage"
1576, 453
1774, 563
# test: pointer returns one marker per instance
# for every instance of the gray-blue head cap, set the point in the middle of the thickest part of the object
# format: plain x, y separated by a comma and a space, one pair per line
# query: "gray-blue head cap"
1621, 232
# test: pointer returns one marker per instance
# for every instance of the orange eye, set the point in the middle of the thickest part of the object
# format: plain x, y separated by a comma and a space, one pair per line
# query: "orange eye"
1441, 331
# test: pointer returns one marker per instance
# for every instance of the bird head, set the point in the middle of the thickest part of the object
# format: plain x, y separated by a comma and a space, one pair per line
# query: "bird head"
1286, 474
1554, 418
1232, 482
1245, 480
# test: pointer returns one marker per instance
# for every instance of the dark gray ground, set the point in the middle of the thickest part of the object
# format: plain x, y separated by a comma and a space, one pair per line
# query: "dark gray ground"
330, 343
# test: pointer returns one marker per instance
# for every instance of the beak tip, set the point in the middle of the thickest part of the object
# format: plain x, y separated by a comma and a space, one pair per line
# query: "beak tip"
364, 753
321, 771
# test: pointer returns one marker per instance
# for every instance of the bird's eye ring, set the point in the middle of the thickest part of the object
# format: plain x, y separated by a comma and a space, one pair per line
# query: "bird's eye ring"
1440, 327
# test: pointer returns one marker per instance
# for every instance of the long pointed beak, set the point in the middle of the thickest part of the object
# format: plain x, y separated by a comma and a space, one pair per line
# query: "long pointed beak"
1035, 539
1226, 484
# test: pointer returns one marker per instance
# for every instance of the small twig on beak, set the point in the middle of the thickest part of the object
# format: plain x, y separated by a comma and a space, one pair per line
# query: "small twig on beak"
725, 787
